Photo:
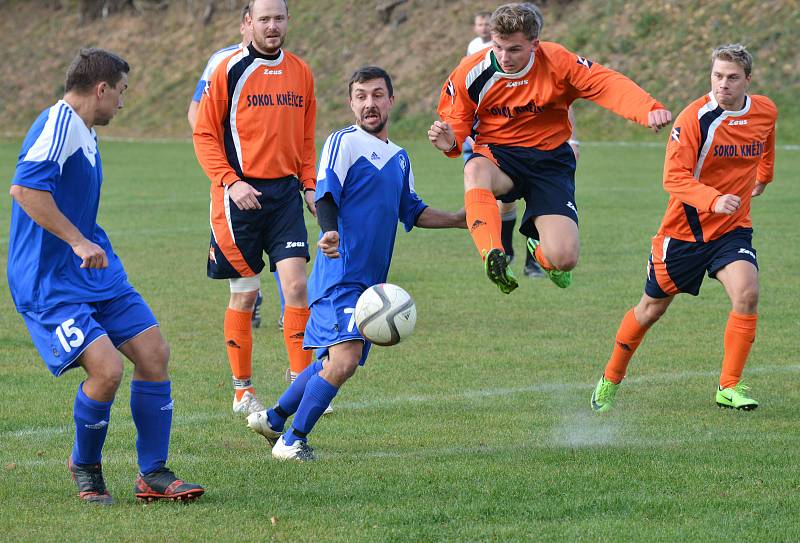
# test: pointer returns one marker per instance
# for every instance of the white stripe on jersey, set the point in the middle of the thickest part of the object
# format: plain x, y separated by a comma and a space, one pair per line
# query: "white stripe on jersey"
216, 58
711, 106
61, 136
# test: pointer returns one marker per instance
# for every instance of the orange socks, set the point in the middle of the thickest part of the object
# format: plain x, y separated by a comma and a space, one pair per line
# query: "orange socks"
239, 340
739, 336
629, 336
483, 220
294, 327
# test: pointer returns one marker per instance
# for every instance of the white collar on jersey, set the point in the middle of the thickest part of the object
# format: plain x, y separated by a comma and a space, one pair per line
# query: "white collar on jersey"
387, 141
522, 73
727, 113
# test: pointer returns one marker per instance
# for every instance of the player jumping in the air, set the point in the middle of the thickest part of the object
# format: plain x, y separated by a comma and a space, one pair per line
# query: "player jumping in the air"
720, 154
519, 91
364, 186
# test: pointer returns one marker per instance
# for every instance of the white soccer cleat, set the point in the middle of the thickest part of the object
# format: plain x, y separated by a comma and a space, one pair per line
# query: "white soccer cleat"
247, 404
329, 409
259, 423
299, 451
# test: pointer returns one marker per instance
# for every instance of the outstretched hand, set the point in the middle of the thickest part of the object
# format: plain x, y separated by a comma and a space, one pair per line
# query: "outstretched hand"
441, 136
658, 119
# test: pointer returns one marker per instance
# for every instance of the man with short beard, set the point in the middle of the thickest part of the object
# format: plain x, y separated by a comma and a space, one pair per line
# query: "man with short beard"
364, 187
254, 138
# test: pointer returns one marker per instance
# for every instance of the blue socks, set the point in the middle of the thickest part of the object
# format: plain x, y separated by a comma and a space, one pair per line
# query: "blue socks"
290, 400
317, 396
91, 425
151, 407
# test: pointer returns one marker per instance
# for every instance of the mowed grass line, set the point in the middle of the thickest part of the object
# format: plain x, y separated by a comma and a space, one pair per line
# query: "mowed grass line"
477, 428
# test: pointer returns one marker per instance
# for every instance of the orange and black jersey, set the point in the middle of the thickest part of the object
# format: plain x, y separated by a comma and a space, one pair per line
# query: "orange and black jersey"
257, 119
529, 108
711, 152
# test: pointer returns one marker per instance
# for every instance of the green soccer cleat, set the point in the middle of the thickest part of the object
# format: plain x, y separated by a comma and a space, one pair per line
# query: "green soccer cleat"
603, 395
498, 271
562, 279
736, 398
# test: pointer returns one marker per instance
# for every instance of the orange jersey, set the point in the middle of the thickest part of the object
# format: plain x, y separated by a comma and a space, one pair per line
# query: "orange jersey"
257, 120
712, 152
529, 108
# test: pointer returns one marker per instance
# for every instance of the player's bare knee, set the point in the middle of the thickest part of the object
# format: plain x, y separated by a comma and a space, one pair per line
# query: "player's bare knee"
746, 300
477, 175
243, 301
649, 311
294, 288
107, 377
563, 258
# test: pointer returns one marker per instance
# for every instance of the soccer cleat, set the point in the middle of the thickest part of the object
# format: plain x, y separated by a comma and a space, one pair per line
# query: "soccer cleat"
259, 423
257, 311
163, 485
91, 486
299, 450
532, 269
280, 322
247, 404
603, 395
328, 410
498, 271
736, 398
562, 279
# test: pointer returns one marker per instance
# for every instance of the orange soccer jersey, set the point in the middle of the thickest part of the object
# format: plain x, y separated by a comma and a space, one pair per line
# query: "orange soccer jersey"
529, 108
711, 152
257, 120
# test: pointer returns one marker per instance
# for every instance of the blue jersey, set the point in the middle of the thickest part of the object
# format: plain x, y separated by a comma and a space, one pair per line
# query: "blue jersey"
213, 62
372, 184
60, 155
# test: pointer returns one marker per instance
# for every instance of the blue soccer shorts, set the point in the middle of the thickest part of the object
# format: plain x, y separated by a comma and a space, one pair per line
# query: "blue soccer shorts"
62, 333
333, 321
544, 179
239, 238
678, 266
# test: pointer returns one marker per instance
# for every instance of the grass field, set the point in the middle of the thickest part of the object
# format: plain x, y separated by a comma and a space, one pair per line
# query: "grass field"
477, 428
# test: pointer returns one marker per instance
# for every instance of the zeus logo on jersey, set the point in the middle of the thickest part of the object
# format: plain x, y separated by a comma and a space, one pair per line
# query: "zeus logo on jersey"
746, 252
748, 150
273, 72
516, 83
585, 62
737, 122
294, 244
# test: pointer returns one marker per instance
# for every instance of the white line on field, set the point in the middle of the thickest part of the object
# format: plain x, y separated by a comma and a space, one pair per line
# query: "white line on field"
544, 388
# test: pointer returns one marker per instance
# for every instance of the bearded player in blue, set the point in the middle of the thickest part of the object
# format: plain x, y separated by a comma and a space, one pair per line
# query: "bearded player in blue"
72, 290
364, 186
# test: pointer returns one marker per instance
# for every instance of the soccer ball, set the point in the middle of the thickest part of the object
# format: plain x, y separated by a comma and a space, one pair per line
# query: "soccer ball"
385, 314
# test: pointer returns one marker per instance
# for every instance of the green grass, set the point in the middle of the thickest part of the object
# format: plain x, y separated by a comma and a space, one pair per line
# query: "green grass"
477, 428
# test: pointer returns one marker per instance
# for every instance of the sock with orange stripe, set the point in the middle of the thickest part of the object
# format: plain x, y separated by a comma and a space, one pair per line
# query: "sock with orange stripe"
740, 333
239, 342
483, 219
294, 327
629, 336
542, 260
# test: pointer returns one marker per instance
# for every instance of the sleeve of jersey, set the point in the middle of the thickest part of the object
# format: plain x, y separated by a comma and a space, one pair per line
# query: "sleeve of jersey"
198, 90
307, 171
411, 206
333, 167
766, 166
457, 109
680, 162
208, 136
609, 89
40, 167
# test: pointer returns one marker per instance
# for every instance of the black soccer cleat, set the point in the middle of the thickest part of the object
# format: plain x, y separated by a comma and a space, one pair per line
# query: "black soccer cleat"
91, 486
162, 484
